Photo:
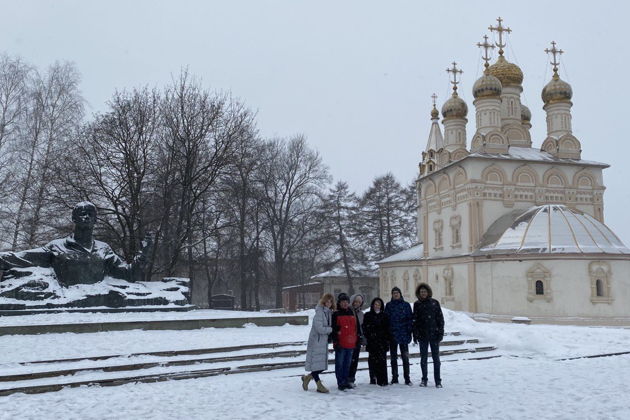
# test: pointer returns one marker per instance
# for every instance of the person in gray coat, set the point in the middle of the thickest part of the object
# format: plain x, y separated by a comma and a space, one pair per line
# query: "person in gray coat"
357, 307
317, 347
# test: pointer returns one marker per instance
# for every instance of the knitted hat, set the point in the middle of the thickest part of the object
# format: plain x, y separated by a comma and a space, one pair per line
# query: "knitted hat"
396, 289
342, 296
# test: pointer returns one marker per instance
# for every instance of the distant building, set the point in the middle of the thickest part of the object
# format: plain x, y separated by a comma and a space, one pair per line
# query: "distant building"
365, 281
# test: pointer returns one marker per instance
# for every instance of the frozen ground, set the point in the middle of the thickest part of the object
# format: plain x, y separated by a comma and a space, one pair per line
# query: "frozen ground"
77, 317
529, 381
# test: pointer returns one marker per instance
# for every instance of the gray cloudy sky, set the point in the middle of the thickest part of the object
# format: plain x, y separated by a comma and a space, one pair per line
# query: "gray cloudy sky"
354, 76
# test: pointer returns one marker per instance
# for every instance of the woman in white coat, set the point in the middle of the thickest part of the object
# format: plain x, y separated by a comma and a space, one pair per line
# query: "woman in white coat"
317, 348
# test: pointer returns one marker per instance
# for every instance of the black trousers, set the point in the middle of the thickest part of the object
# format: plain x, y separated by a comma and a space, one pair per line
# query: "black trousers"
315, 375
354, 363
404, 355
377, 362
435, 355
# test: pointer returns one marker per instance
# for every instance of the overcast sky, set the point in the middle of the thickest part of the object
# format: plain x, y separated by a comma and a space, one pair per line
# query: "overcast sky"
354, 76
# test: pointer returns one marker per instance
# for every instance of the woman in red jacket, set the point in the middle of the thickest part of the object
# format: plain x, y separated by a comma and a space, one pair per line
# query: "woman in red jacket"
345, 335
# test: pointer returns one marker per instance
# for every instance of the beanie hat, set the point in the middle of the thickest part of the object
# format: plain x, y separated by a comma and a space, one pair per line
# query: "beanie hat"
396, 289
342, 296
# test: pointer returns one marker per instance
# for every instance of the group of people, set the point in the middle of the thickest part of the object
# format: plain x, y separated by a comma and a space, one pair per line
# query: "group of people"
384, 328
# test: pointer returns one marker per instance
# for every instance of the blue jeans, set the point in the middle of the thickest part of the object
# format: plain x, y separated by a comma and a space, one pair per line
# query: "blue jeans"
343, 358
435, 355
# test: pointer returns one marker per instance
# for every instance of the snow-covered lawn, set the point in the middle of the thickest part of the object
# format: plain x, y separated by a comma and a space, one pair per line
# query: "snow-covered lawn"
528, 381
78, 317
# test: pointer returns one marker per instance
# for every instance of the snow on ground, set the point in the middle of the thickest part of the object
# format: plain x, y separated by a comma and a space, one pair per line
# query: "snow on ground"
22, 348
79, 317
527, 382
492, 389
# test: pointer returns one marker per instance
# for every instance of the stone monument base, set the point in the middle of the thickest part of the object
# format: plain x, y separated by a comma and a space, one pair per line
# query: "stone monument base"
39, 289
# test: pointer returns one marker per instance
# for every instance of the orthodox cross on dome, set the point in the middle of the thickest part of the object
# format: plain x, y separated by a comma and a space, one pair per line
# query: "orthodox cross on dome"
434, 111
500, 29
486, 47
556, 54
455, 71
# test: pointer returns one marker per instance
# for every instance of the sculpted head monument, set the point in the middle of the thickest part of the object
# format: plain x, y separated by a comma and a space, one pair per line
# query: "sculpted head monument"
75, 259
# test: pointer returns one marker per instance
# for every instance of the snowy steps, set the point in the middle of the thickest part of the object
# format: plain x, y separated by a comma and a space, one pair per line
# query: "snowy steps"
112, 370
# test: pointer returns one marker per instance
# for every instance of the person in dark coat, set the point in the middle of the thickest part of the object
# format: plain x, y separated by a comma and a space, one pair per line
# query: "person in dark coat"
428, 330
376, 331
356, 304
400, 325
345, 336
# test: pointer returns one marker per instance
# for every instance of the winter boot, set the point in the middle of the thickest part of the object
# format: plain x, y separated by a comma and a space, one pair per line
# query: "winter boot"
438, 385
321, 388
423, 383
306, 379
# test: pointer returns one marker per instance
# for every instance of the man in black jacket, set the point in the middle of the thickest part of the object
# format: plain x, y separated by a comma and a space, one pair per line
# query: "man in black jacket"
428, 330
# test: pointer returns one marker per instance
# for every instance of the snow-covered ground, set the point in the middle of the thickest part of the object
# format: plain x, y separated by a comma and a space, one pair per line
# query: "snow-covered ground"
79, 317
528, 381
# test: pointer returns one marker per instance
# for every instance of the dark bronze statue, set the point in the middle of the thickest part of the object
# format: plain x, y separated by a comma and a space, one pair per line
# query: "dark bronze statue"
78, 258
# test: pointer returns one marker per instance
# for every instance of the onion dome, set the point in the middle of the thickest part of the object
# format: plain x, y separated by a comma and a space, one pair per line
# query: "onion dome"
549, 229
557, 90
509, 74
487, 86
434, 113
526, 114
455, 107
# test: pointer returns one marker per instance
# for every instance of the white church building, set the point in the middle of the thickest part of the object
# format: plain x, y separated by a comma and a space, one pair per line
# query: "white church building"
507, 229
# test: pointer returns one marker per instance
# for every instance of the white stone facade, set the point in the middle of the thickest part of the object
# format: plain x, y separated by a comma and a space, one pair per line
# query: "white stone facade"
465, 196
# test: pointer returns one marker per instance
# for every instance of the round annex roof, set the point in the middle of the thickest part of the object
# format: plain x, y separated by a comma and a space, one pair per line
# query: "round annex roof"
550, 229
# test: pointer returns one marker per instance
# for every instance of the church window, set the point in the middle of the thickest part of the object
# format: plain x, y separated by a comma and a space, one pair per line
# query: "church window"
406, 282
456, 229
539, 283
416, 277
447, 274
437, 230
599, 288
600, 274
430, 167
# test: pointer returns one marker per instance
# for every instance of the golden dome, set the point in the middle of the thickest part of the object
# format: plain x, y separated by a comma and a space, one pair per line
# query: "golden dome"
557, 90
509, 74
526, 114
434, 113
487, 86
455, 107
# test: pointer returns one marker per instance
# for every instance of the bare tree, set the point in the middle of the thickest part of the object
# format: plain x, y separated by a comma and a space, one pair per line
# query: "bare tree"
291, 177
114, 156
14, 77
200, 130
53, 112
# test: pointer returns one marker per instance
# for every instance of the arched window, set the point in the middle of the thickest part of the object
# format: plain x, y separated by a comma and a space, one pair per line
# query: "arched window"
599, 287
540, 288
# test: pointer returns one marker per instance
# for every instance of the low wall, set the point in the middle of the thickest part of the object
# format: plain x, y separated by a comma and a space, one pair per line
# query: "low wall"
184, 324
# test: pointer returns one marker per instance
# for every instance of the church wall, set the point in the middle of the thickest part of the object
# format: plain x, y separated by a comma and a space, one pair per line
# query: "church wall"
503, 287
476, 192
406, 277
449, 282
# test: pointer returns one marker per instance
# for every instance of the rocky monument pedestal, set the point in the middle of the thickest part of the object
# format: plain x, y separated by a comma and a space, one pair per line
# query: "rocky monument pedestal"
80, 272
